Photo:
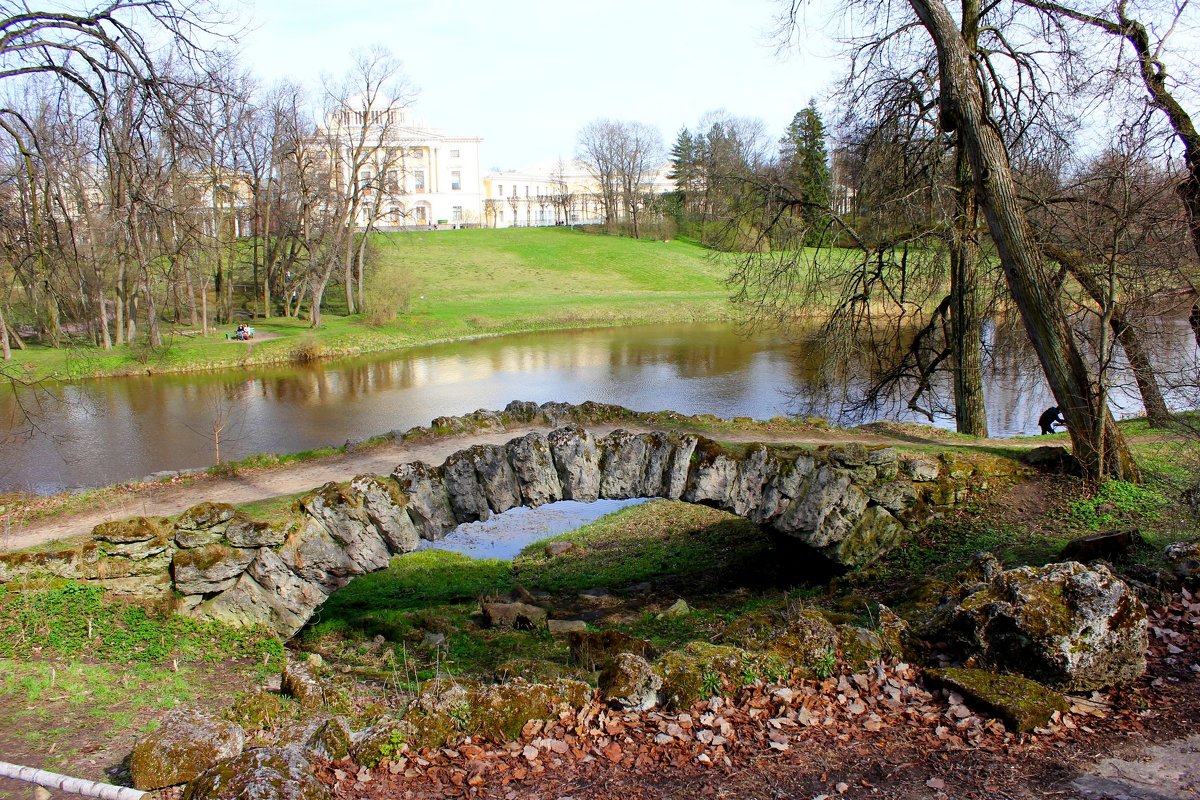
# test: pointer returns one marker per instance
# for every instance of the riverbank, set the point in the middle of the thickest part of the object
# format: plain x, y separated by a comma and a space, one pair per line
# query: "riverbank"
443, 286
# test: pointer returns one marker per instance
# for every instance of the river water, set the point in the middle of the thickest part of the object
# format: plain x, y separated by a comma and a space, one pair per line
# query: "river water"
98, 432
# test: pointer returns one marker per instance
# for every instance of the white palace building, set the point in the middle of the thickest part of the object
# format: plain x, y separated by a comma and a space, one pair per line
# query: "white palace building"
413, 176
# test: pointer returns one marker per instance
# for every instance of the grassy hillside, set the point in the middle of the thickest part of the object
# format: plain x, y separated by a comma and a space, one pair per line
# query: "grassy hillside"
458, 284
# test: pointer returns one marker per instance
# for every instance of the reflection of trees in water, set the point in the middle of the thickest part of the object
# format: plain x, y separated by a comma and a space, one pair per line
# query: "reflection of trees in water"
839, 380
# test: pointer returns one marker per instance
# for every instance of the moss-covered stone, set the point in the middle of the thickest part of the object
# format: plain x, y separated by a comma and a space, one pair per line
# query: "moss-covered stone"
629, 681
260, 710
1022, 704
301, 681
204, 516
1067, 625
209, 569
700, 670
499, 711
858, 646
442, 712
268, 773
183, 746
802, 638
385, 739
128, 531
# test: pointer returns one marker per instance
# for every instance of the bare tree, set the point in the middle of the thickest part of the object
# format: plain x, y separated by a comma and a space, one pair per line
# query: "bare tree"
362, 122
597, 149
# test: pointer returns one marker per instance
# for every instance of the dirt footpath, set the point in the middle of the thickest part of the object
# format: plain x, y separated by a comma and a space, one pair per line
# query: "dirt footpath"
255, 485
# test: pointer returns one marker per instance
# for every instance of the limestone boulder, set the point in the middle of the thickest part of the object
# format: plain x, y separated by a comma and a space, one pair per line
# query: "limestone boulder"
576, 456
713, 475
496, 478
252, 533
623, 465
1067, 625
629, 682
920, 468
783, 488
312, 554
130, 531
204, 516
339, 509
523, 411
429, 502
267, 594
533, 464
466, 495
267, 773
185, 744
387, 509
828, 507
209, 569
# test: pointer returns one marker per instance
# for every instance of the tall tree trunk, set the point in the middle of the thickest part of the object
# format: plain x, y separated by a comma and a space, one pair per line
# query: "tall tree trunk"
1096, 441
361, 258
102, 310
348, 272
5, 347
966, 318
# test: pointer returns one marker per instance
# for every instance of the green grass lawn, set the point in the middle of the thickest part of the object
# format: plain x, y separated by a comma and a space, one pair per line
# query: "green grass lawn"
459, 284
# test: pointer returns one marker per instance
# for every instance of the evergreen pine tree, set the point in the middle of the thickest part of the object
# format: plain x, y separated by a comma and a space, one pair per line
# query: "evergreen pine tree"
806, 165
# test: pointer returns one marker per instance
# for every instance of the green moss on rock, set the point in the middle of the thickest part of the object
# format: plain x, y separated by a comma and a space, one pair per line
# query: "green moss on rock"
1021, 703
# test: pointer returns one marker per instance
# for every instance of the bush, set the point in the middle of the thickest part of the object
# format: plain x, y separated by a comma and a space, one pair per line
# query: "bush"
388, 290
307, 350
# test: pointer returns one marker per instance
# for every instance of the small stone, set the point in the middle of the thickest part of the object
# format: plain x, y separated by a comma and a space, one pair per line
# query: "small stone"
679, 608
557, 548
562, 627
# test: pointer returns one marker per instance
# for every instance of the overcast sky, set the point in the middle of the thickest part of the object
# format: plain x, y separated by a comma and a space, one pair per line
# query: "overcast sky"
526, 75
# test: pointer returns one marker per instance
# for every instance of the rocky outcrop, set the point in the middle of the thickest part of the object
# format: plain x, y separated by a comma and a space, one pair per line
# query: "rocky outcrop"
1067, 625
185, 744
845, 504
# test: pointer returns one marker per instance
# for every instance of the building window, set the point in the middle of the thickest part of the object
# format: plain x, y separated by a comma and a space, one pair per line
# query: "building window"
454, 154
421, 218
364, 180
393, 180
419, 180
417, 152
456, 214
514, 192
455, 180
500, 190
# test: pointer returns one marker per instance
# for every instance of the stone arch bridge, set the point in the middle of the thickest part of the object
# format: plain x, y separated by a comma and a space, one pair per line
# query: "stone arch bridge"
848, 503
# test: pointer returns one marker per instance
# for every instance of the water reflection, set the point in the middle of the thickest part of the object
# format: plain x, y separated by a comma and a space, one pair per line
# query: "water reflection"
99, 432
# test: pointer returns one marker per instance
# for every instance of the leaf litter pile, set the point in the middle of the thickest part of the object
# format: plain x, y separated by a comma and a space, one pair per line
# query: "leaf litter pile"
876, 733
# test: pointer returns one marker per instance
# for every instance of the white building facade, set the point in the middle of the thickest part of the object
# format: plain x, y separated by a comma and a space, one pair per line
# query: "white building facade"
403, 173
551, 193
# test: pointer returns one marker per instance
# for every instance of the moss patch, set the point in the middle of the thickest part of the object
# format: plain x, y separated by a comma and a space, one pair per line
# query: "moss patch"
1022, 704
